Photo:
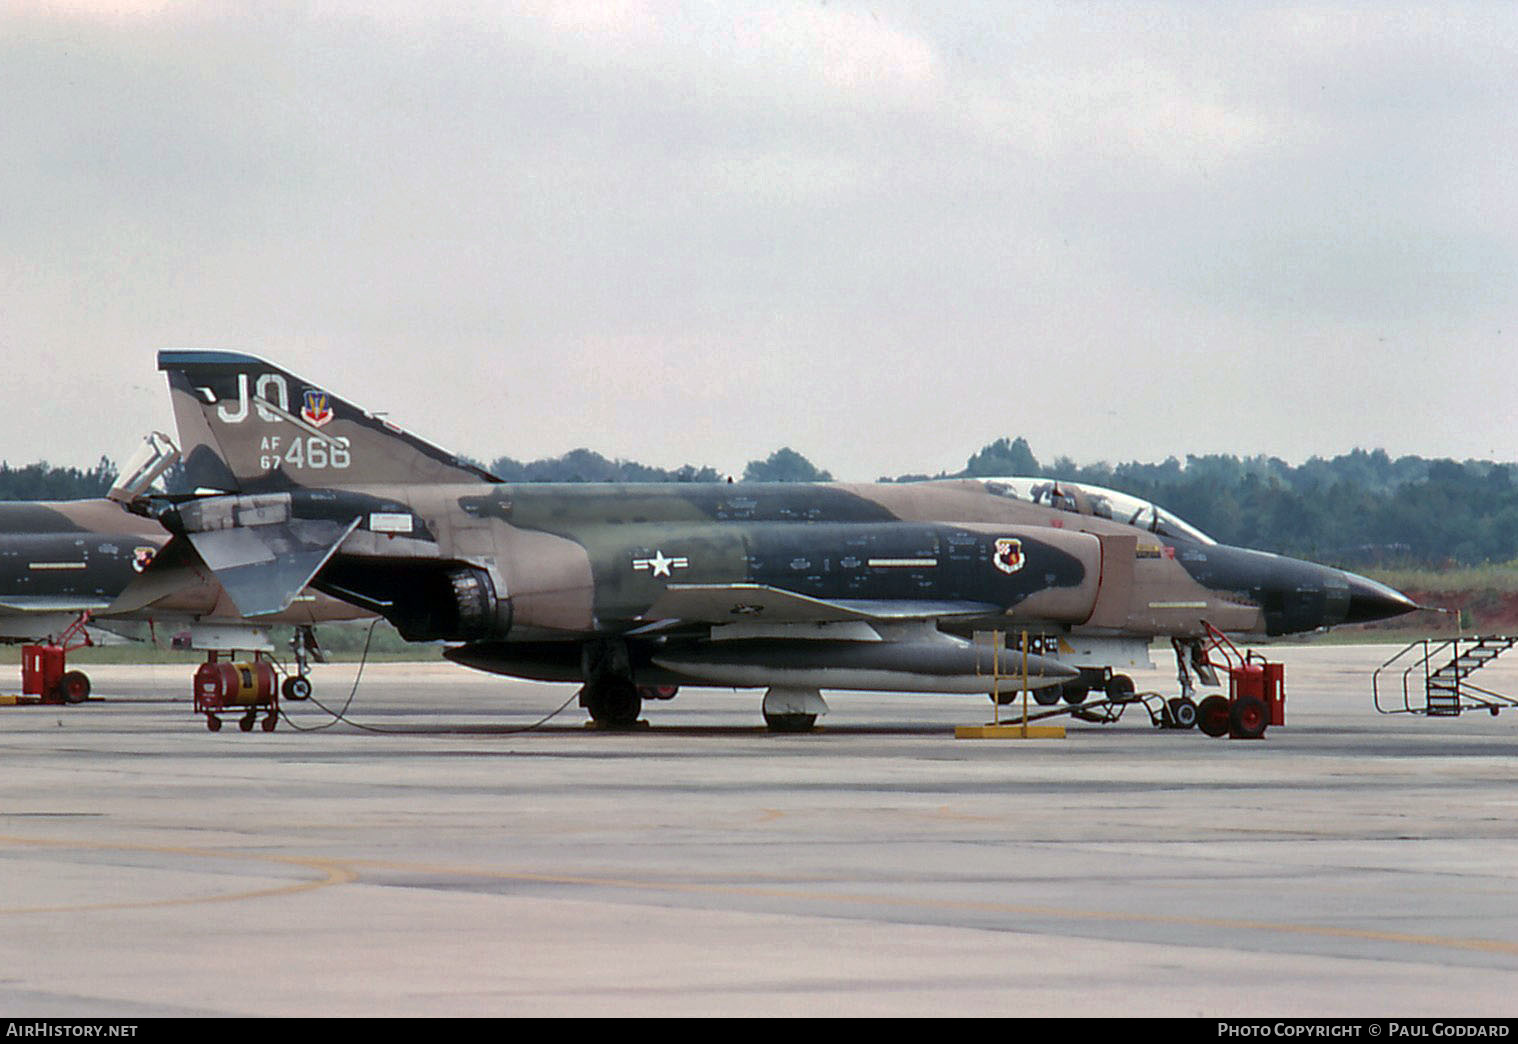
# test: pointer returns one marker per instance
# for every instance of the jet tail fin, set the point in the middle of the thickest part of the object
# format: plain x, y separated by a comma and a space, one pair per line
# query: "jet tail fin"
245, 425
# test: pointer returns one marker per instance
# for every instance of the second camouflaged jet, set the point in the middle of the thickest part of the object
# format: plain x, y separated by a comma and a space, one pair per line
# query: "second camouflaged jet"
89, 564
634, 589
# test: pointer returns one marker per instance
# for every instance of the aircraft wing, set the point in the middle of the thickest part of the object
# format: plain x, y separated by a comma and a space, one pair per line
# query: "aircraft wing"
730, 603
264, 567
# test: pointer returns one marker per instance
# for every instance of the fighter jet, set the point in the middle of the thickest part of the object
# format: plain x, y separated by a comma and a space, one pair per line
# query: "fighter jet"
636, 589
89, 563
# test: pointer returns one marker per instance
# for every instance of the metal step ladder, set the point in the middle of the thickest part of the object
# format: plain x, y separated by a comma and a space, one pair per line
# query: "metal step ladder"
1446, 689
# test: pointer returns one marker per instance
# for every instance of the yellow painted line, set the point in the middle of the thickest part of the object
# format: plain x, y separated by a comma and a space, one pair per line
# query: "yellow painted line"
333, 873
1055, 912
948, 812
346, 872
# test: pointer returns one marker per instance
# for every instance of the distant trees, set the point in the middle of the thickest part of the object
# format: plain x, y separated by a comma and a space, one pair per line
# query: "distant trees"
784, 465
583, 465
42, 481
1002, 457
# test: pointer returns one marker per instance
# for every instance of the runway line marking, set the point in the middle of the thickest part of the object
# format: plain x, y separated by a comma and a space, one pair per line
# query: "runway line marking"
347, 872
334, 873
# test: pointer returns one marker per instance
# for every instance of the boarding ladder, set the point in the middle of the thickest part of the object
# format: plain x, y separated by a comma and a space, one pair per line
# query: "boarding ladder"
1447, 690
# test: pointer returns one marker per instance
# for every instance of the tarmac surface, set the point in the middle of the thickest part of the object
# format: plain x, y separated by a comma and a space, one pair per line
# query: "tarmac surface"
441, 861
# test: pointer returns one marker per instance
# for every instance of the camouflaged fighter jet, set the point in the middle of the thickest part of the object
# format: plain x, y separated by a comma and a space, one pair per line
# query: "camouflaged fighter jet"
635, 589
67, 563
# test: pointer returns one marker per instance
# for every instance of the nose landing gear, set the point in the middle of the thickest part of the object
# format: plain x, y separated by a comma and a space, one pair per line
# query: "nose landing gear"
1256, 696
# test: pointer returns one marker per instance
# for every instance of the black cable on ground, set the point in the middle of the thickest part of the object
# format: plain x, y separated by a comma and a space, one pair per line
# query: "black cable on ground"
341, 716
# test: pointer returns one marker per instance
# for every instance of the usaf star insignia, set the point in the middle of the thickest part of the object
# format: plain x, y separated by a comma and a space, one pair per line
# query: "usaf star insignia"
660, 565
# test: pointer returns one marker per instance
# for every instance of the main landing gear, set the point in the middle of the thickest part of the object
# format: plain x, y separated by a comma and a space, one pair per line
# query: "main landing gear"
614, 699
613, 702
609, 694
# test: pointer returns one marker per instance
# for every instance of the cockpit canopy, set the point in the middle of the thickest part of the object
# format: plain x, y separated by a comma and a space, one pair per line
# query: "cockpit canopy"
1101, 503
156, 455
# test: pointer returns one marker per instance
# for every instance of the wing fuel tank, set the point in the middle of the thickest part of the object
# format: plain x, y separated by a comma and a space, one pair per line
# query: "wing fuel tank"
943, 665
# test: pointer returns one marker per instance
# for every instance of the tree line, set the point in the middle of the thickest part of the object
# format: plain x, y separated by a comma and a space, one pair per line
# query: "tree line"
42, 481
1357, 509
583, 465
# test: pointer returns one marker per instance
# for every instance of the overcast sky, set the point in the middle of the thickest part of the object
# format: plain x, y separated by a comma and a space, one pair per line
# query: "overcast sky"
882, 233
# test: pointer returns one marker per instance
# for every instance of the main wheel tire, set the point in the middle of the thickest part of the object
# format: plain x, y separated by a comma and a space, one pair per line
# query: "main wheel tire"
1213, 715
1249, 717
790, 722
614, 703
297, 687
74, 687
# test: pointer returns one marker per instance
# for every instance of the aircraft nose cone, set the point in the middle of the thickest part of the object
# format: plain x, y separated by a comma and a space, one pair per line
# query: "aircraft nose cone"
1369, 600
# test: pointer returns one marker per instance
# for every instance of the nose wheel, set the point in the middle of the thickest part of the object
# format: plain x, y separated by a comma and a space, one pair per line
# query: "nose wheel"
1180, 713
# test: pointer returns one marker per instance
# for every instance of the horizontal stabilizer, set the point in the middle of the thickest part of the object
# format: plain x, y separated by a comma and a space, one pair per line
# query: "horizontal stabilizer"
174, 568
729, 603
264, 567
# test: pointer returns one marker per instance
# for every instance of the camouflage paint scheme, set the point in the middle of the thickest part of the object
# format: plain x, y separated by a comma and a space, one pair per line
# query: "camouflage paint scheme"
59, 559
663, 584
